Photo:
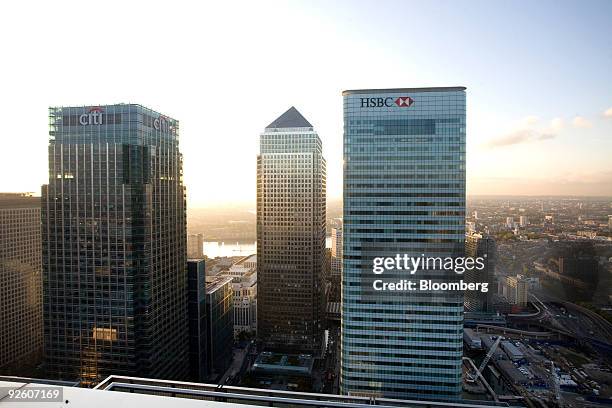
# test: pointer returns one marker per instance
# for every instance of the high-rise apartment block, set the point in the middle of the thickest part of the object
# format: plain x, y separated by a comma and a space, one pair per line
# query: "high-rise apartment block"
114, 245
291, 182
404, 193
516, 290
20, 284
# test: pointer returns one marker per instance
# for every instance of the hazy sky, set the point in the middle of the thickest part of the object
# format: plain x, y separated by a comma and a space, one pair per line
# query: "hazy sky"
538, 78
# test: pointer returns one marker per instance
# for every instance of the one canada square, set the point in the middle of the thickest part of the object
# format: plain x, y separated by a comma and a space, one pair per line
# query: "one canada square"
404, 193
114, 245
291, 182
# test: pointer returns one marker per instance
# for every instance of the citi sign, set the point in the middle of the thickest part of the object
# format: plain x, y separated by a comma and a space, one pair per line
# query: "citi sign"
401, 101
162, 124
92, 117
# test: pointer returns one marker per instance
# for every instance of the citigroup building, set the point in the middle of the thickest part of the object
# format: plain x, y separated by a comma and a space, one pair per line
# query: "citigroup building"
404, 194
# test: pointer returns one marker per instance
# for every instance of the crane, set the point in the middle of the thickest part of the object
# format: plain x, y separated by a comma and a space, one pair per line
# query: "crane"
473, 377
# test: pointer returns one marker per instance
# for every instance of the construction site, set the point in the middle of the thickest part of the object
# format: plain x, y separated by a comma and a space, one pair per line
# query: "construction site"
534, 368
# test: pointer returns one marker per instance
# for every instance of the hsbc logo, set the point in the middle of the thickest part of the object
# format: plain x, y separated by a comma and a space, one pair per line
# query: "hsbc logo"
92, 117
389, 102
404, 101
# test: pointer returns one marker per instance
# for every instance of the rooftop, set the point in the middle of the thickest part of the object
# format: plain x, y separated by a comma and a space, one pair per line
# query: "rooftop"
390, 90
217, 283
132, 391
290, 119
19, 200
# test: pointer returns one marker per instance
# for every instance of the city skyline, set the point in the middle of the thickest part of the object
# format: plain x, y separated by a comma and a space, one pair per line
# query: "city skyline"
426, 222
547, 106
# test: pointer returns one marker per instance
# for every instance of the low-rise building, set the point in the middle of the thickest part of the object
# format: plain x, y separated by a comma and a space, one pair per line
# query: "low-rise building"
244, 286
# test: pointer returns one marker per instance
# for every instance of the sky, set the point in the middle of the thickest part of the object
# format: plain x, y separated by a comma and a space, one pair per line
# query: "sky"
538, 78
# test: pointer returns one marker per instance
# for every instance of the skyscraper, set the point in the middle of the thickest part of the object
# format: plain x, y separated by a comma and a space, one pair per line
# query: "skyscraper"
196, 301
114, 245
20, 284
291, 182
404, 193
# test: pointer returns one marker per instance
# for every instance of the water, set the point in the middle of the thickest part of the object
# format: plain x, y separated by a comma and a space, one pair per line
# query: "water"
213, 249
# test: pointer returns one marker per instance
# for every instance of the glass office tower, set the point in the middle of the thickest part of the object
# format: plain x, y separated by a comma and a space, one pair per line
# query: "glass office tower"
114, 245
196, 299
21, 340
291, 181
404, 193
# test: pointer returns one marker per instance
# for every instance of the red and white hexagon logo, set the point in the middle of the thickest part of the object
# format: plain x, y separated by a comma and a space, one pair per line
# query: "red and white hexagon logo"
404, 101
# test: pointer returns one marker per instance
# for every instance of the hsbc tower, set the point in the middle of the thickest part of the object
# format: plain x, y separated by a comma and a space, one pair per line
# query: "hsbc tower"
404, 193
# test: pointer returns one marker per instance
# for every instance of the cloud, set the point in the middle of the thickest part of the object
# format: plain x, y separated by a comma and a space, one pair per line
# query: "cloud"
581, 122
608, 113
531, 120
518, 137
557, 124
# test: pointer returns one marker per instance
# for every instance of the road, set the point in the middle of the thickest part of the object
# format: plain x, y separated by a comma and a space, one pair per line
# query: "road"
235, 369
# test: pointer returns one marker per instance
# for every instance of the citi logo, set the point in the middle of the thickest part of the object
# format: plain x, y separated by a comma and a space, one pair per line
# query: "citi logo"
93, 117
161, 123
402, 102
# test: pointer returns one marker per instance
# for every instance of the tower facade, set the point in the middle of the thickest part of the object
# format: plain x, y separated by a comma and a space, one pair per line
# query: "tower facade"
291, 182
404, 193
20, 284
114, 245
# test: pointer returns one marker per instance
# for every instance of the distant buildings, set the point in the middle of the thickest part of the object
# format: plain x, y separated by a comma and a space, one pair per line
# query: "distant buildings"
335, 265
291, 191
21, 339
470, 227
523, 221
196, 309
114, 245
195, 246
510, 222
516, 290
404, 193
219, 325
479, 245
244, 286
336, 252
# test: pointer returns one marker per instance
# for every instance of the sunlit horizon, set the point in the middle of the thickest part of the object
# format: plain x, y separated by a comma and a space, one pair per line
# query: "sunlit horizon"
539, 104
